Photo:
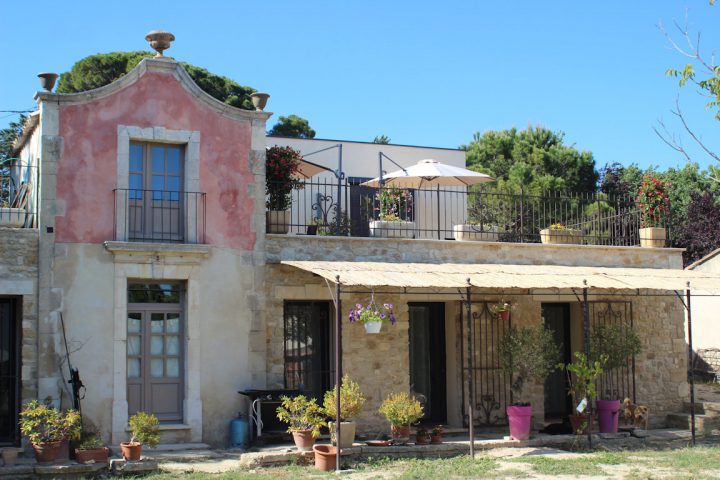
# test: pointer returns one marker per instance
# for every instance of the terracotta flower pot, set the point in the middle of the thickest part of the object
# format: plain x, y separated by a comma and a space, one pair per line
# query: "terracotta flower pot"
653, 237
92, 455
504, 315
131, 451
325, 459
400, 434
579, 423
422, 439
46, 453
304, 440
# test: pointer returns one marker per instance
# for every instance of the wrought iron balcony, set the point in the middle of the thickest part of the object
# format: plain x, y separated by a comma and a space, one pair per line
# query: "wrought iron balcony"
159, 216
482, 212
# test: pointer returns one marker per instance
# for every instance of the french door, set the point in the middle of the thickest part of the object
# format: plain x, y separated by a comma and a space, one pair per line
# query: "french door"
155, 360
9, 370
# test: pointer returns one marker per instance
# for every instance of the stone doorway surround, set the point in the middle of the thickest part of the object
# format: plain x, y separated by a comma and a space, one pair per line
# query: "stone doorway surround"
156, 261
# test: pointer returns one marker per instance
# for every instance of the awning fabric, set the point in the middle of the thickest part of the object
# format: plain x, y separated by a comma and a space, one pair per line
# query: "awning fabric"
454, 275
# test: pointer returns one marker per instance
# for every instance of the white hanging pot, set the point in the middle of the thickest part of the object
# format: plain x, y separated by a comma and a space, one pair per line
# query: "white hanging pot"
373, 327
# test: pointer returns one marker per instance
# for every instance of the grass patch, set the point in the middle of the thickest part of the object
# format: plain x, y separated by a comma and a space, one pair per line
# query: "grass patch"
687, 460
458, 467
589, 465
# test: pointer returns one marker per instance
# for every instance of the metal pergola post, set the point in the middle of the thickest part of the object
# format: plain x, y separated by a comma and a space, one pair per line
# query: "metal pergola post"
471, 383
338, 370
586, 345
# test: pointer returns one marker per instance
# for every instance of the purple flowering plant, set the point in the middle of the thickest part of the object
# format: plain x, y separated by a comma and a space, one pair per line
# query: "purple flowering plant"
372, 312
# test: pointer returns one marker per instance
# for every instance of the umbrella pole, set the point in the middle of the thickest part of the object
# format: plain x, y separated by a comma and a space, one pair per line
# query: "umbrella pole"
438, 211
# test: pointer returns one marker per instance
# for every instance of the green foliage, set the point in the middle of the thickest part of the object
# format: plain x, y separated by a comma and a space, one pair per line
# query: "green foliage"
534, 160
528, 354
395, 204
104, 68
382, 139
301, 413
401, 409
8, 136
292, 126
281, 167
618, 344
42, 423
582, 375
653, 202
145, 428
91, 441
352, 400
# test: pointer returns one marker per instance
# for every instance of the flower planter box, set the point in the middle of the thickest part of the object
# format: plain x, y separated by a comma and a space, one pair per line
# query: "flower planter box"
277, 221
553, 236
653, 237
466, 232
12, 217
392, 229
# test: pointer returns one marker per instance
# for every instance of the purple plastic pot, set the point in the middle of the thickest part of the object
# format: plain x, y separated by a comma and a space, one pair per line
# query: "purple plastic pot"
519, 419
608, 414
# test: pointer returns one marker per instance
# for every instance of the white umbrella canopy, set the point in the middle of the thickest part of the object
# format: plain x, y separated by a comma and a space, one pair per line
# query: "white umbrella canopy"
310, 169
430, 173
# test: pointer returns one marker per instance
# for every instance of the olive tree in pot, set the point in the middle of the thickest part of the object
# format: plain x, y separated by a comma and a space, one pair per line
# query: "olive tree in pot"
526, 354
401, 410
618, 345
352, 401
144, 430
582, 375
304, 418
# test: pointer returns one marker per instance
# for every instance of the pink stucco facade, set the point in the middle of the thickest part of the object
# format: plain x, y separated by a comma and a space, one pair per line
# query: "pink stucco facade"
87, 170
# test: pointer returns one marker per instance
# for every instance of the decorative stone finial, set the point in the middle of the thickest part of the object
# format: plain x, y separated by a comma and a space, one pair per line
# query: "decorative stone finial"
259, 100
159, 40
47, 80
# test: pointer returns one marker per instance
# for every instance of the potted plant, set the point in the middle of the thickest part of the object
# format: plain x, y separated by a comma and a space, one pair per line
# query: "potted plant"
401, 410
654, 204
71, 429
91, 450
352, 401
304, 418
477, 232
436, 434
527, 354
45, 427
372, 316
422, 436
559, 234
9, 456
617, 345
501, 310
11, 217
394, 208
281, 169
582, 375
144, 430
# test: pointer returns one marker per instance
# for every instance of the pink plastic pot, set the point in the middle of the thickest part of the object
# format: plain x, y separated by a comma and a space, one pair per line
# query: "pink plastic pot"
608, 412
519, 419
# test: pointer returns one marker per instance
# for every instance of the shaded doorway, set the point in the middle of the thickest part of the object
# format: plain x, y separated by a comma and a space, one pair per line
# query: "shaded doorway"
9, 370
427, 358
558, 403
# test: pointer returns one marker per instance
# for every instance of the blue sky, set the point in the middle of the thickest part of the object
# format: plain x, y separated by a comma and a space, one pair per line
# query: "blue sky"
420, 72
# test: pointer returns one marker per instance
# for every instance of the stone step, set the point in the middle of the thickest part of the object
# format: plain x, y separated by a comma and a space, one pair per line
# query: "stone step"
167, 447
704, 424
711, 409
181, 452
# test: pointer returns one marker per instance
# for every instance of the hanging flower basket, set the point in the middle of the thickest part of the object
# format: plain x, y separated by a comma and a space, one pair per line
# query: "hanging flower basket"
372, 315
501, 310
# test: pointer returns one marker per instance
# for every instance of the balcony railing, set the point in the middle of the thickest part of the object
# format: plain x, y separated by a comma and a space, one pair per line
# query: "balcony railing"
18, 195
479, 213
159, 216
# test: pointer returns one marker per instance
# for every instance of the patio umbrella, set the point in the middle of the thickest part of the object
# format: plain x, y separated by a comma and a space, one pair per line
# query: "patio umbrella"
430, 173
310, 169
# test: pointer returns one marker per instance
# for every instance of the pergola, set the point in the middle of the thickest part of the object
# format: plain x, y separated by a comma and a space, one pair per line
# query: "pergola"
462, 278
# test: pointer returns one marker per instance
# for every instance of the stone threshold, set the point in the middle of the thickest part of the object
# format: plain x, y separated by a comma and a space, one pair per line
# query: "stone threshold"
72, 470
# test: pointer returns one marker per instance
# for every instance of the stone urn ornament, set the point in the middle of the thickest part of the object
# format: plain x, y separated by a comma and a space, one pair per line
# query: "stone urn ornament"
160, 41
259, 100
47, 80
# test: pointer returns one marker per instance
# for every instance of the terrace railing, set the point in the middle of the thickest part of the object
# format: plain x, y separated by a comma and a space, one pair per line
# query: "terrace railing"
482, 212
18, 195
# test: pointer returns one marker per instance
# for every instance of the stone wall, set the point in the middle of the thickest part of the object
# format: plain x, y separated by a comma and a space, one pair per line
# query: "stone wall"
19, 277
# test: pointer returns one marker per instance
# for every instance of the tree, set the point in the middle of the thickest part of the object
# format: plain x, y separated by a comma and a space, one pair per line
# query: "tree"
535, 160
382, 139
8, 136
701, 233
704, 73
102, 69
292, 126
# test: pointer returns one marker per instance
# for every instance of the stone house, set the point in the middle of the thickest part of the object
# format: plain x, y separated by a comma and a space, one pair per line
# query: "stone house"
148, 252
706, 306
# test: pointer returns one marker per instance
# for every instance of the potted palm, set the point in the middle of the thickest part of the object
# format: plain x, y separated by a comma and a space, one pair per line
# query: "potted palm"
46, 428
582, 374
526, 354
654, 204
304, 418
372, 316
281, 169
144, 430
617, 345
352, 401
401, 410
